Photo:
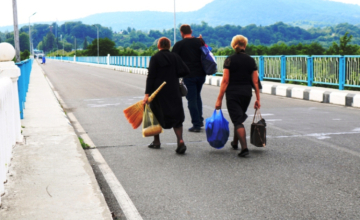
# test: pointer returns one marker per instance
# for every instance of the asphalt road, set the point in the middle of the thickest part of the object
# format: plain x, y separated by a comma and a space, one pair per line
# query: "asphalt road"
310, 168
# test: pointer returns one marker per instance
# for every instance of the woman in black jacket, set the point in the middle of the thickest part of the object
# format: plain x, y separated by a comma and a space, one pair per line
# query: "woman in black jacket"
167, 106
240, 75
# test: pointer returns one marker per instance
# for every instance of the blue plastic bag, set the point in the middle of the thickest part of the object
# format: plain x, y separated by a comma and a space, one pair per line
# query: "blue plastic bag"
208, 61
217, 130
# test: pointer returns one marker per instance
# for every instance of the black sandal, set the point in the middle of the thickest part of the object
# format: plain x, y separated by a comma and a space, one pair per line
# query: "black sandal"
181, 149
153, 146
235, 147
244, 153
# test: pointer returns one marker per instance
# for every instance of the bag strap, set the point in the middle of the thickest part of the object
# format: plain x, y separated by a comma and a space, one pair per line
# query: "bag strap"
257, 115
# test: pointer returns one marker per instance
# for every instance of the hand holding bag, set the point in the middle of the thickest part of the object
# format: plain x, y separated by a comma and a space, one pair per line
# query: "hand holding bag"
258, 130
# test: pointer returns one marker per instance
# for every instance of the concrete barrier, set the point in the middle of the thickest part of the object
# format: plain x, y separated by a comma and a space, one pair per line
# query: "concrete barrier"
10, 126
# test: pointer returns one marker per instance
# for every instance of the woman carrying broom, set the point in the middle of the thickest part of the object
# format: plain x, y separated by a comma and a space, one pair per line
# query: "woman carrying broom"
167, 106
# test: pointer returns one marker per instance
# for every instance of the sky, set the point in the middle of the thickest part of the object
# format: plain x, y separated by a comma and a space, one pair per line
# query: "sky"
51, 10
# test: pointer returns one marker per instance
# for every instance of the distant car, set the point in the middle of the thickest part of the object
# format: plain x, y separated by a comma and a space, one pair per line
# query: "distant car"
38, 54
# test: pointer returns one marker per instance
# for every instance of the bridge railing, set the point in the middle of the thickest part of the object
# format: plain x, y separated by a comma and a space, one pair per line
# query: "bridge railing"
23, 83
352, 71
14, 81
340, 71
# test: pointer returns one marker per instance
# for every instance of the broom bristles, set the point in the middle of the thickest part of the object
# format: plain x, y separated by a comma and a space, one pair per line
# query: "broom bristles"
134, 114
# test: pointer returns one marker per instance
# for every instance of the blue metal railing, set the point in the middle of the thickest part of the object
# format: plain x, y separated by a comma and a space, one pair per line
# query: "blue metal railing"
322, 70
23, 83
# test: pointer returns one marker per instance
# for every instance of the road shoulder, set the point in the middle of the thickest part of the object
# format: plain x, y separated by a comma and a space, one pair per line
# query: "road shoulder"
50, 176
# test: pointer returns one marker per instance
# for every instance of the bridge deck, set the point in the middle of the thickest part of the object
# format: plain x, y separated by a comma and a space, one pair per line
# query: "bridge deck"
310, 168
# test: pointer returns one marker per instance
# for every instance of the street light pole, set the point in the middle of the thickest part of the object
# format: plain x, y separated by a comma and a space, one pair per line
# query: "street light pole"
97, 42
63, 44
16, 31
174, 23
31, 51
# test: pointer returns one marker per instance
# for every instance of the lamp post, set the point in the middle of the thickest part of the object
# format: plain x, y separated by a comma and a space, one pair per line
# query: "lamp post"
31, 51
63, 44
16, 31
97, 42
174, 23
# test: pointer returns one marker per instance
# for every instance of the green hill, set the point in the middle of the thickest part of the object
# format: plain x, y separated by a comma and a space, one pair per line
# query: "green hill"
237, 12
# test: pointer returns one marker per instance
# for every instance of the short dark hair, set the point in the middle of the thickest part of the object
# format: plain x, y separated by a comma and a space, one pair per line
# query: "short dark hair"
185, 29
164, 43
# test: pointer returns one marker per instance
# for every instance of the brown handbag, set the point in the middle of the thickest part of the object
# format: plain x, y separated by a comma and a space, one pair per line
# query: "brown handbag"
258, 130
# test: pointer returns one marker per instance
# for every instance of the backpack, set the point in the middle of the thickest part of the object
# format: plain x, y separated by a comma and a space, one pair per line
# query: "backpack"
208, 61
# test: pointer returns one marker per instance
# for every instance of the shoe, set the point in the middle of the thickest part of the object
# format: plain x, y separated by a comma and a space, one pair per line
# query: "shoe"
244, 153
181, 149
193, 129
202, 124
153, 146
234, 146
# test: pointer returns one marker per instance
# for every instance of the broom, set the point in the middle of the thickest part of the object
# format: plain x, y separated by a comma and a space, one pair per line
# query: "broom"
134, 113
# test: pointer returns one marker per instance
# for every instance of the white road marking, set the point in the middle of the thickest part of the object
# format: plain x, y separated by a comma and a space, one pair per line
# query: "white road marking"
264, 115
316, 135
90, 100
356, 129
127, 206
102, 106
272, 120
336, 119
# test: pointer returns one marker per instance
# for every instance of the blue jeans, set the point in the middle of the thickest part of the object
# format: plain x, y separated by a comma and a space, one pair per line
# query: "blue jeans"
194, 86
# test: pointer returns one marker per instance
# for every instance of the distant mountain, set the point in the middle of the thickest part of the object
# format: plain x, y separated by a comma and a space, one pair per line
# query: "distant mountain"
236, 12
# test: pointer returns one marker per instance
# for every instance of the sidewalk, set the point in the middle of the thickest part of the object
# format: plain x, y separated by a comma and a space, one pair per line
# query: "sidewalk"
50, 176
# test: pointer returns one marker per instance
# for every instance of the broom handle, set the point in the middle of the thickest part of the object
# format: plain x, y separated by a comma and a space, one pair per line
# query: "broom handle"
156, 92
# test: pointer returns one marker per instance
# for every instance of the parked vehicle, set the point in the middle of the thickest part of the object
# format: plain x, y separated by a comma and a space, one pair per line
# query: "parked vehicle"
38, 54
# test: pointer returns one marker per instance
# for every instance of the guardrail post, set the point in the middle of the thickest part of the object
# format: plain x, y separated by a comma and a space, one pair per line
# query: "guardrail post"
108, 59
283, 69
261, 68
74, 58
342, 72
310, 69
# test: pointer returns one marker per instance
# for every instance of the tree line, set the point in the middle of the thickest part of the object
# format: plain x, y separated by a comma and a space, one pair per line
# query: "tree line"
274, 39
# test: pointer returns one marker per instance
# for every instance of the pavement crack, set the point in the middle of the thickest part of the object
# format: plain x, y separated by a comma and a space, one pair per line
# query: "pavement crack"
48, 191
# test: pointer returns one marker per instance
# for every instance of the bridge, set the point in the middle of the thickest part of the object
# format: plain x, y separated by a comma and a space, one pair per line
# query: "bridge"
339, 71
309, 169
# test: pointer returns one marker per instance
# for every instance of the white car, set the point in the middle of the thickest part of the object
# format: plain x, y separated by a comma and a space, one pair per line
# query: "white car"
38, 54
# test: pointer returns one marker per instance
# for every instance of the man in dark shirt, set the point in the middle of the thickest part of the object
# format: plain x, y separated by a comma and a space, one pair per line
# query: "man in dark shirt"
189, 50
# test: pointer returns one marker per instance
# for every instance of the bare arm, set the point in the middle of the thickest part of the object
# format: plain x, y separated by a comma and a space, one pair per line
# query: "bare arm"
255, 79
223, 87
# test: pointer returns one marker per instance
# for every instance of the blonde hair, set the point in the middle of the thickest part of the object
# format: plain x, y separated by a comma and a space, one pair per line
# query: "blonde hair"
238, 42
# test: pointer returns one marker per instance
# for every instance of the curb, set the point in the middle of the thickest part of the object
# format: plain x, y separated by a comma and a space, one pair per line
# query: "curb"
122, 198
316, 94
322, 95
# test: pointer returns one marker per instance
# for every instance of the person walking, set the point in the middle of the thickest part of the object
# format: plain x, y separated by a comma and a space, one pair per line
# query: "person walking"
189, 49
43, 60
240, 75
167, 105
